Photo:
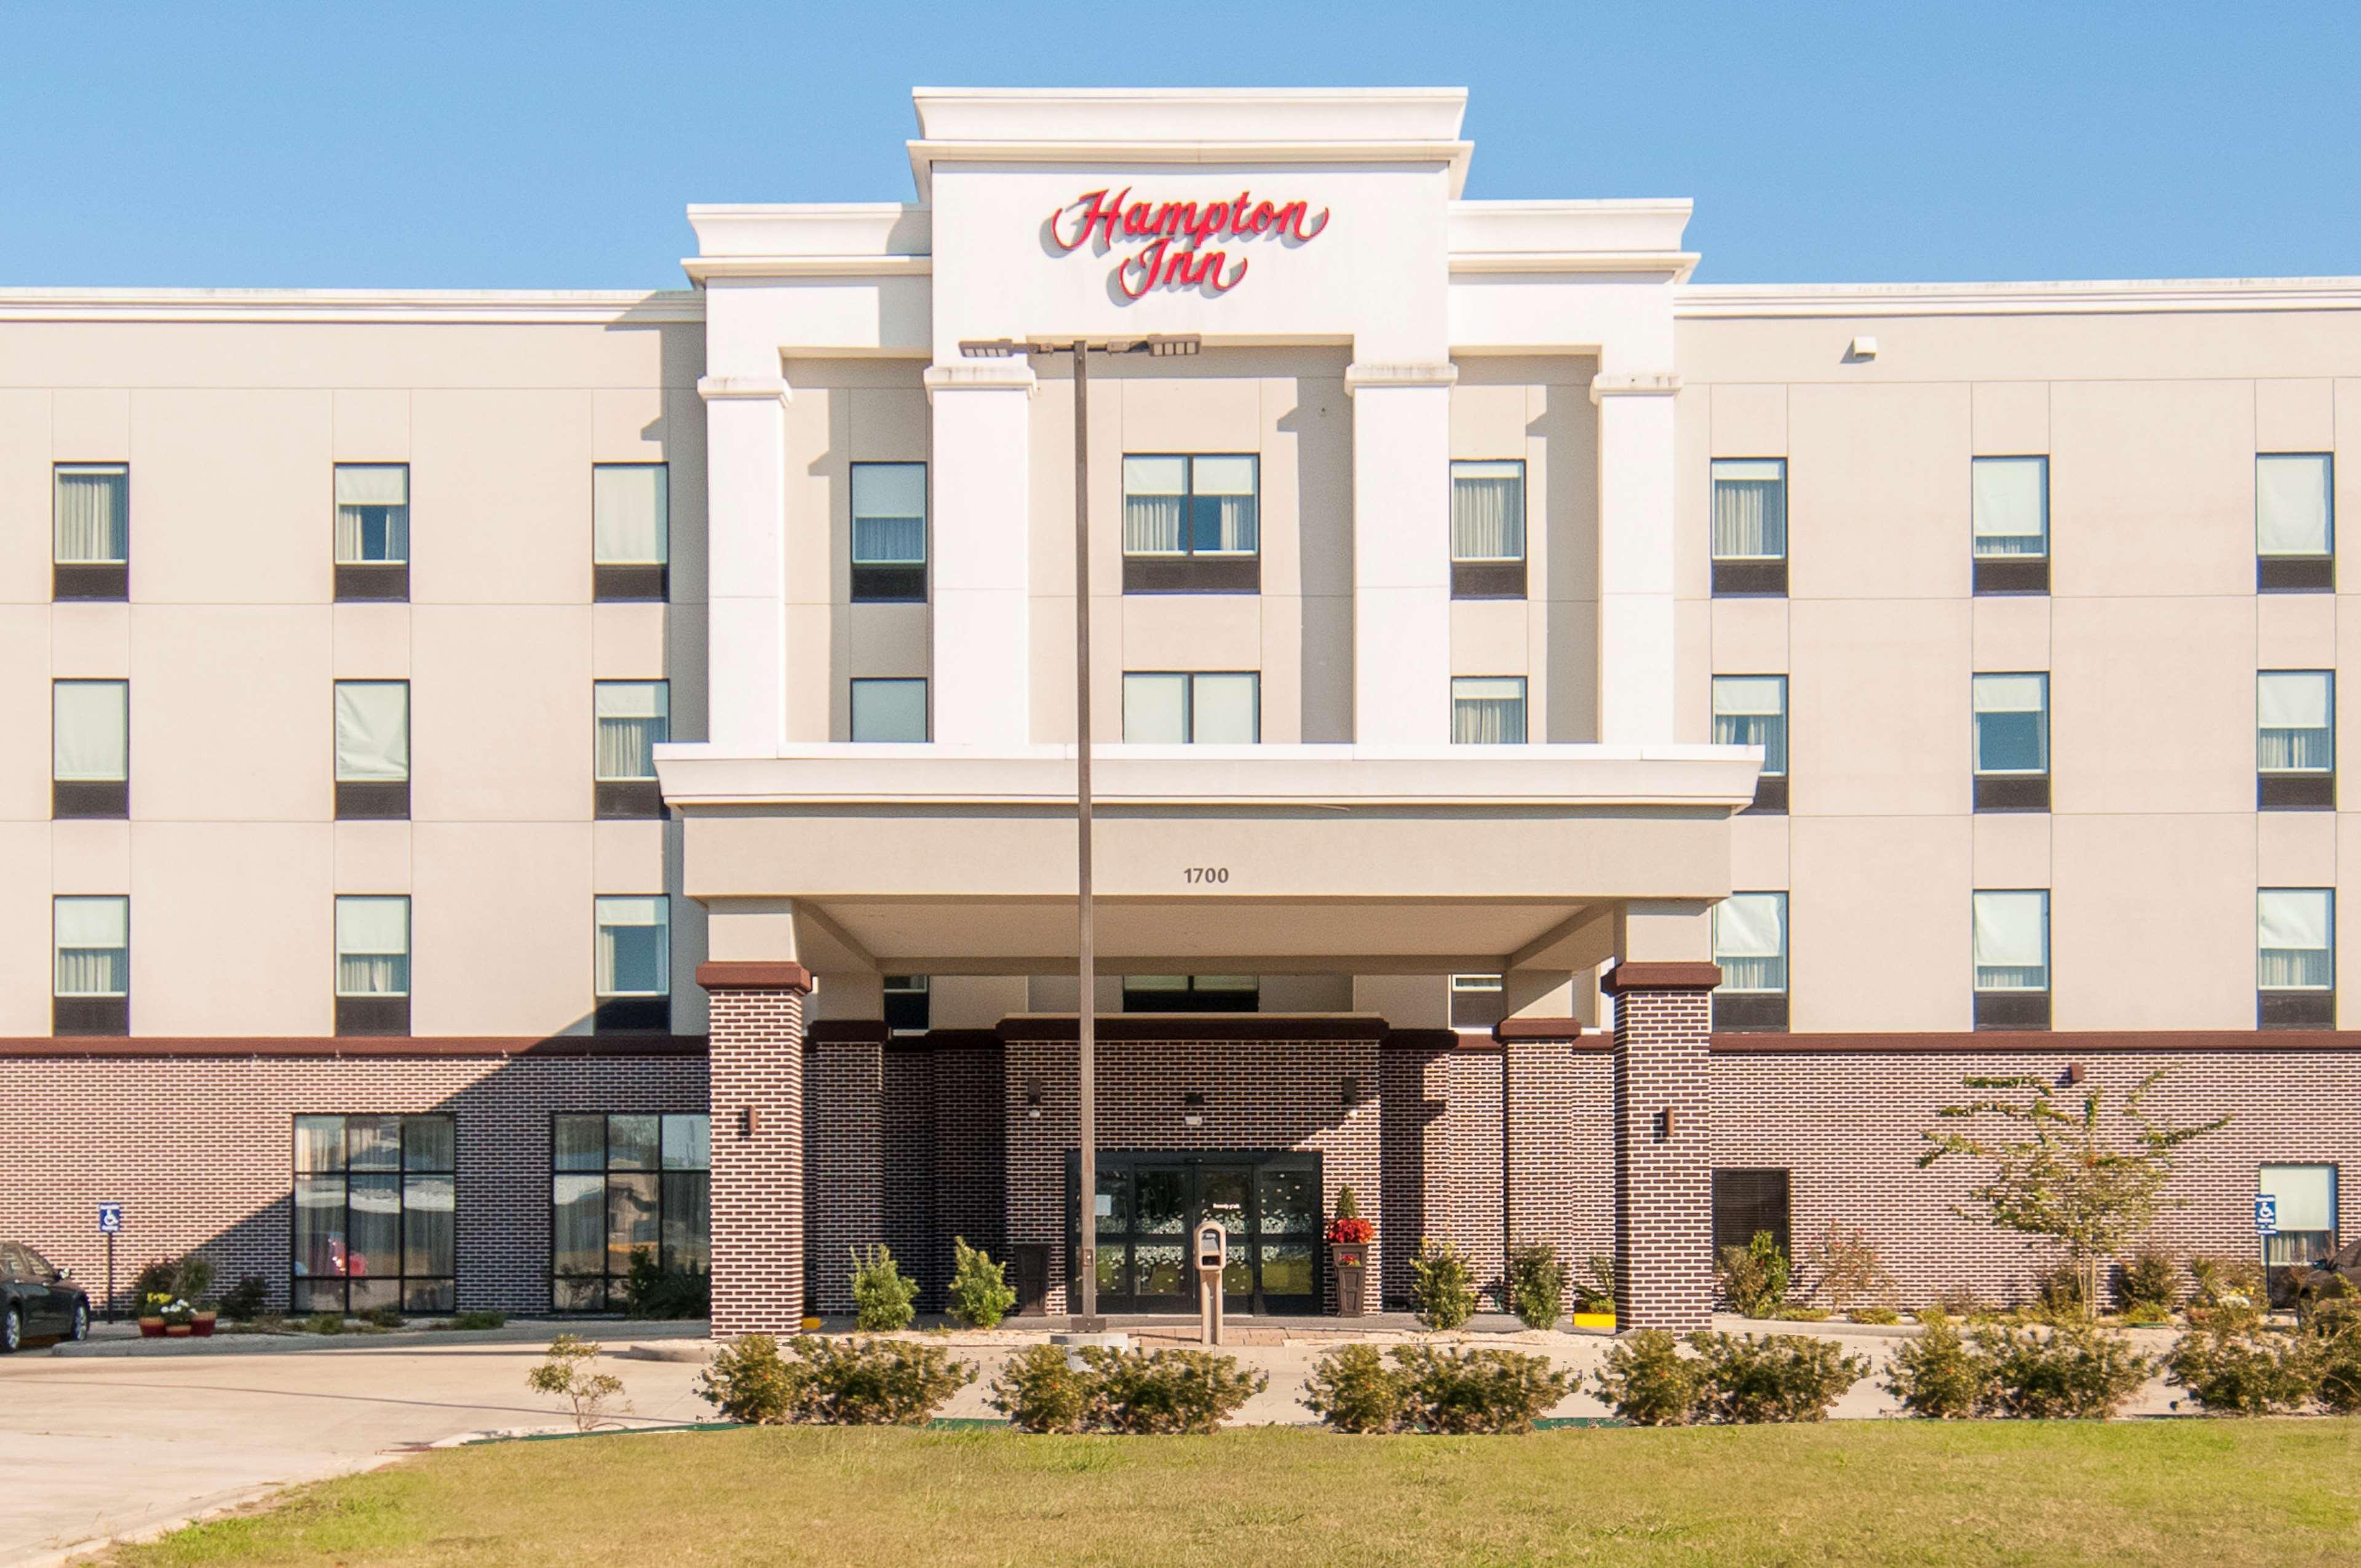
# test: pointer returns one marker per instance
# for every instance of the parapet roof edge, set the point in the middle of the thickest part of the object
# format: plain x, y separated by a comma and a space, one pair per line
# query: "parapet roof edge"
2062, 297
517, 305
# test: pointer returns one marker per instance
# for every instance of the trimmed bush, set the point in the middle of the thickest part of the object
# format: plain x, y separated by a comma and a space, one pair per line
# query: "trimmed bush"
2058, 1294
245, 1300
1648, 1382
979, 1296
388, 1317
473, 1323
2075, 1371
2148, 1278
1038, 1390
2241, 1369
1354, 1391
2227, 1284
883, 1296
1879, 1315
1154, 1393
748, 1381
1442, 1287
324, 1323
1753, 1277
831, 1382
652, 1291
1938, 1375
1463, 1391
1537, 1285
1774, 1377
2334, 1330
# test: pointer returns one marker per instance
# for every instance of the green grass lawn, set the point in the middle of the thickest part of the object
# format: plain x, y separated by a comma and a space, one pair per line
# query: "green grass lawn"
2209, 1492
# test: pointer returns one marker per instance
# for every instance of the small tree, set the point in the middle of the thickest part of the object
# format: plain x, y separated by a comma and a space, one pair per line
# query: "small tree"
883, 1296
1754, 1277
979, 1296
1847, 1270
1443, 1287
1536, 1285
2089, 1180
567, 1374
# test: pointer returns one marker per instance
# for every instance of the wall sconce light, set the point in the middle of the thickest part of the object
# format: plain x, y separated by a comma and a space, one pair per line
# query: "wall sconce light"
1350, 1094
1665, 1123
1032, 1098
1193, 1110
750, 1121
2075, 1073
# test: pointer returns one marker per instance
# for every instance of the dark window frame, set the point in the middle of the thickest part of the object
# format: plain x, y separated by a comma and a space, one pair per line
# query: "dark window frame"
2003, 573
891, 582
1752, 1192
300, 1286
2009, 789
90, 1014
626, 581
608, 1295
626, 799
1194, 998
1491, 576
1751, 576
852, 709
1188, 679
904, 1015
1127, 1162
631, 1012
90, 799
107, 581
2307, 574
1190, 570
1477, 1008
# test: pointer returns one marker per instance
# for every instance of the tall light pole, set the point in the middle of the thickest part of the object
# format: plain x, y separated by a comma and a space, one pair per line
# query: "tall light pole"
1084, 1296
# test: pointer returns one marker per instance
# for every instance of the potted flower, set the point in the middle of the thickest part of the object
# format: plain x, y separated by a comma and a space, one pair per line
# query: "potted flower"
168, 1290
1349, 1236
1594, 1296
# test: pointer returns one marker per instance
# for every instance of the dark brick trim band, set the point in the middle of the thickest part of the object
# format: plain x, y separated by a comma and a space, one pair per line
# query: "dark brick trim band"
2041, 1042
265, 1047
1270, 1027
846, 1031
1660, 977
744, 976
954, 1039
1551, 1029
1422, 1041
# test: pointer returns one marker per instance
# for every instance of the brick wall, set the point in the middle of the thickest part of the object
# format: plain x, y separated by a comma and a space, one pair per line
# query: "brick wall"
845, 1096
1664, 1197
757, 1066
1558, 1108
200, 1151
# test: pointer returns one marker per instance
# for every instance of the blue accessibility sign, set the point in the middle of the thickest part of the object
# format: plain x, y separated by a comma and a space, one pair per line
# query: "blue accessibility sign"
2267, 1215
110, 1219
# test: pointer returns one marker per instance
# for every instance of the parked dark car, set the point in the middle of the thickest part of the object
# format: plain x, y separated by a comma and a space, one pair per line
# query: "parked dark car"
37, 1300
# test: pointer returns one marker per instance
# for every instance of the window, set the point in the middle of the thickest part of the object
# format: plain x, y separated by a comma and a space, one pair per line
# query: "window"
1488, 710
2011, 524
632, 718
1748, 1203
375, 1210
2012, 743
906, 1003
631, 531
2295, 958
2295, 522
634, 965
1191, 524
889, 710
372, 748
1750, 943
1487, 530
1478, 1002
1749, 525
2012, 958
2306, 1199
1176, 709
373, 966
92, 991
90, 749
1752, 710
1192, 992
623, 1186
94, 531
2295, 741
372, 543
889, 533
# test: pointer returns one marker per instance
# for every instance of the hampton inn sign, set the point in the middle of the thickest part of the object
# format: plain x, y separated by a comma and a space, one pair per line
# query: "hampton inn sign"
1172, 235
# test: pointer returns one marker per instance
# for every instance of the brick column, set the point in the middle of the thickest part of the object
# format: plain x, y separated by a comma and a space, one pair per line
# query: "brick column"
1664, 1143
755, 1087
846, 1153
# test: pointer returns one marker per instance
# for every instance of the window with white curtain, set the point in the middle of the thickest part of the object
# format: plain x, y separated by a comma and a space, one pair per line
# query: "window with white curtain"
2012, 941
90, 731
634, 950
630, 515
1749, 941
1192, 506
2295, 505
1488, 710
1749, 509
94, 947
372, 732
2012, 505
1185, 709
2012, 723
372, 513
1487, 511
372, 946
1752, 710
889, 514
2295, 939
633, 718
892, 710
2305, 1199
94, 513
2295, 727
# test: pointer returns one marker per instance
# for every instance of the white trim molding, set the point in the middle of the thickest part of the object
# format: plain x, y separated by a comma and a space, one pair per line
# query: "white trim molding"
2120, 297
1358, 376
501, 306
743, 389
1645, 384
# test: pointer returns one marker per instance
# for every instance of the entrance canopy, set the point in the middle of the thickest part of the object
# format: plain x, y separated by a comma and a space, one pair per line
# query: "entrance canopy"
1268, 860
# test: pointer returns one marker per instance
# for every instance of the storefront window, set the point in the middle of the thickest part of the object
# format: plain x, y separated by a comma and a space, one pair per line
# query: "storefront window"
624, 1185
374, 1205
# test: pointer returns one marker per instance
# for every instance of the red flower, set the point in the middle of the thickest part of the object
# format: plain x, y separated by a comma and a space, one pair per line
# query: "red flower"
1352, 1232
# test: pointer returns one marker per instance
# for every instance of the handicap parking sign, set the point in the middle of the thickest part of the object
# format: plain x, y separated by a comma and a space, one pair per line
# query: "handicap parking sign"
110, 1219
2267, 1216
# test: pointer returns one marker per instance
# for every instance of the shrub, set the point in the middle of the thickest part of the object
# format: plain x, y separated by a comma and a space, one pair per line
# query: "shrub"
185, 1279
1536, 1286
245, 1299
476, 1322
2241, 1369
324, 1323
1957, 1302
2148, 1314
567, 1375
872, 1382
1595, 1292
2149, 1278
1443, 1287
1847, 1270
748, 1381
1168, 1390
1353, 1390
1791, 1313
1648, 1382
2334, 1330
2075, 1370
2057, 1293
1754, 1277
2227, 1283
385, 1317
1874, 1315
2306, 1290
979, 1296
1938, 1375
1775, 1377
1476, 1390
882, 1293
652, 1291
1038, 1390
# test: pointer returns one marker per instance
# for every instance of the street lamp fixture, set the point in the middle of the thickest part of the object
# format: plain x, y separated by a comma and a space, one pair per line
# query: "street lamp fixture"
1085, 1294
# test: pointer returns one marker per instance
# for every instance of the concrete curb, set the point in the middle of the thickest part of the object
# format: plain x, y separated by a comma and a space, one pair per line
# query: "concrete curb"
527, 1331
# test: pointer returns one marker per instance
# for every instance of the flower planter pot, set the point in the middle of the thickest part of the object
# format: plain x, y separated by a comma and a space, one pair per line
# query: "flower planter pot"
1348, 1263
1595, 1321
151, 1328
201, 1326
179, 1331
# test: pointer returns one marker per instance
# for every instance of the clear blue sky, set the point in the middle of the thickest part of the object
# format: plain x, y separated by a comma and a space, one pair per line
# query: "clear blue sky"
525, 146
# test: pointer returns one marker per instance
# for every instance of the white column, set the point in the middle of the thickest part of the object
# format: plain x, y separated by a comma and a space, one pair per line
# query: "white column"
1401, 553
982, 488
1637, 697
746, 638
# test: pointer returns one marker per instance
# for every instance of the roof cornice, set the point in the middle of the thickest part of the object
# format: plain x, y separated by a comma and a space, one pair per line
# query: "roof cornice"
2114, 297
520, 306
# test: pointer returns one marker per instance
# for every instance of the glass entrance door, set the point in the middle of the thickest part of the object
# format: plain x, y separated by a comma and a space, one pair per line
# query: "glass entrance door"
1150, 1203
